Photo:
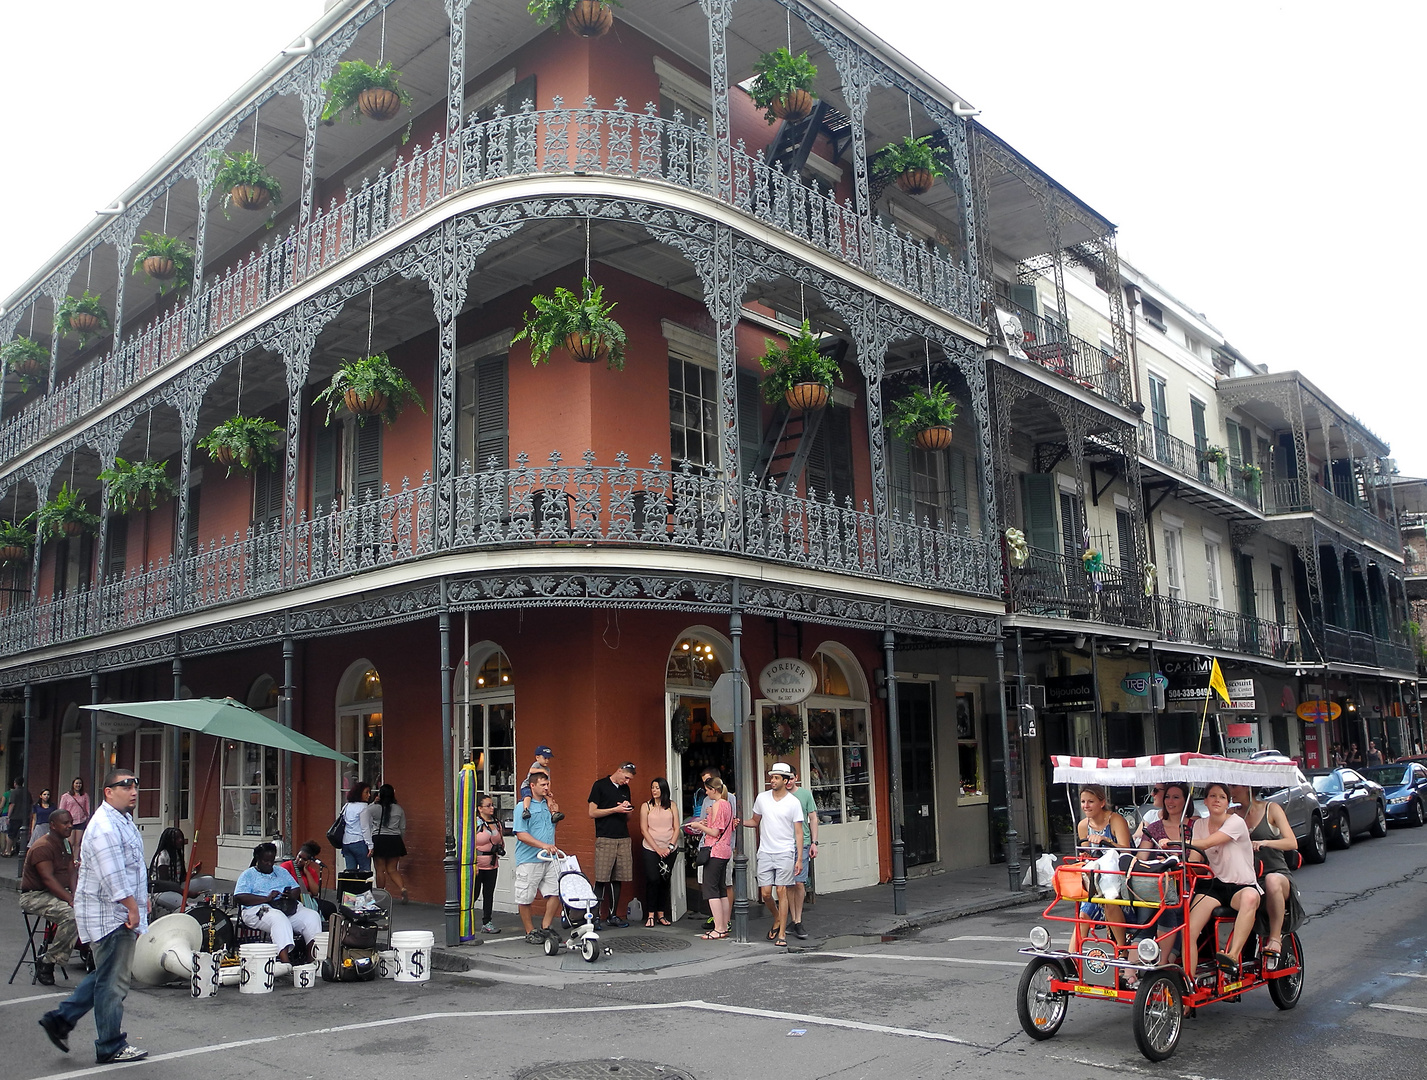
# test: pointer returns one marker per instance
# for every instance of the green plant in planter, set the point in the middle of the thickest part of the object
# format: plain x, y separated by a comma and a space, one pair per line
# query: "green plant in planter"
580, 324
65, 515
364, 90
17, 538
914, 163
28, 360
783, 84
371, 386
920, 410
1218, 457
249, 442
82, 315
166, 260
590, 21
800, 362
137, 485
1252, 476
246, 180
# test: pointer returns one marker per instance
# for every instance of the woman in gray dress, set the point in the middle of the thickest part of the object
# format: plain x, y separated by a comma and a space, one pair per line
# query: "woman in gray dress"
1272, 838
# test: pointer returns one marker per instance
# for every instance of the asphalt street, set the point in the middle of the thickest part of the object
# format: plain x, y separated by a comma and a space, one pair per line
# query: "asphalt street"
936, 1002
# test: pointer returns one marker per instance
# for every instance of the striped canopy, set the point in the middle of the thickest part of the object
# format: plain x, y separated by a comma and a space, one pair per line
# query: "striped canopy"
1161, 768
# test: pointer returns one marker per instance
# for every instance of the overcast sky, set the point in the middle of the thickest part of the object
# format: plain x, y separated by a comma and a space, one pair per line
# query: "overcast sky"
1263, 161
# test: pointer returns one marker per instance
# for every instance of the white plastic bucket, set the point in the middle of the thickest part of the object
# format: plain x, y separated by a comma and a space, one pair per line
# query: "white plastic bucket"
319, 947
258, 961
304, 976
203, 977
387, 965
413, 955
231, 975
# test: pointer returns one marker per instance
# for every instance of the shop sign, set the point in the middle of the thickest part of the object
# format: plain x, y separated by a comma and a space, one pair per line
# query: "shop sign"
786, 682
1241, 739
115, 724
1319, 712
1139, 683
1069, 693
1188, 680
1241, 695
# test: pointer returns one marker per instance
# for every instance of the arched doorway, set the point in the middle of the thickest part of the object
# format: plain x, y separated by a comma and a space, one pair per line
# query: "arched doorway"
698, 657
827, 738
359, 727
71, 752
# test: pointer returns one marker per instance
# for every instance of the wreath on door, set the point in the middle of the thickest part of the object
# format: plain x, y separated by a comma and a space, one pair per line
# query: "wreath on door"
679, 729
783, 733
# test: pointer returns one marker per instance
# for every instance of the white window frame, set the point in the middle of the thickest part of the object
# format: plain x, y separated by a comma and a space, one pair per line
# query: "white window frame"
1215, 577
242, 789
346, 710
1174, 560
689, 346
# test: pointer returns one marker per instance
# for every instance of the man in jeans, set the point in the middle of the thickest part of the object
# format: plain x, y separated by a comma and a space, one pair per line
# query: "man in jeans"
47, 890
111, 904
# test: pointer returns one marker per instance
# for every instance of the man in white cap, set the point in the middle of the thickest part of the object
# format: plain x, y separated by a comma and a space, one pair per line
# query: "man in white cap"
778, 817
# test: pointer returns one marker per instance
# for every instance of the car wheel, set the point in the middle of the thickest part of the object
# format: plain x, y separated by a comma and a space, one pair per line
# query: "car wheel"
1379, 824
1344, 835
1317, 849
1415, 814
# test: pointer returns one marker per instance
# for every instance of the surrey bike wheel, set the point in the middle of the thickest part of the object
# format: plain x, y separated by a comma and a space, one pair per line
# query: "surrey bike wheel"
1285, 990
1041, 1009
1159, 1015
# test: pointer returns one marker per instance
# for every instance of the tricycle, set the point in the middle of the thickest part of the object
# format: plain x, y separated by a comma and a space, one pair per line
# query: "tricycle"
1144, 897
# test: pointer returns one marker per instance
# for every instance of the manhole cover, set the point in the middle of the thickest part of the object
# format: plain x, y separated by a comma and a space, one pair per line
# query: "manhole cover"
819, 958
643, 943
605, 1069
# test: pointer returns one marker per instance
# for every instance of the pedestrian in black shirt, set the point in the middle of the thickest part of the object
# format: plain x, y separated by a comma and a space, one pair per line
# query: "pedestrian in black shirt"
610, 806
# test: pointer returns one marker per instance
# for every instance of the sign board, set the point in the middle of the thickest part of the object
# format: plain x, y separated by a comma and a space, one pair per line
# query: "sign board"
721, 701
1312, 755
1241, 695
1319, 712
1241, 739
1069, 693
115, 724
1028, 721
786, 682
1138, 684
1188, 680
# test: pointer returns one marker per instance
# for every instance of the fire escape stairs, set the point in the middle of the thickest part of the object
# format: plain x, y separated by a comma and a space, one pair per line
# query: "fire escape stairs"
790, 148
786, 446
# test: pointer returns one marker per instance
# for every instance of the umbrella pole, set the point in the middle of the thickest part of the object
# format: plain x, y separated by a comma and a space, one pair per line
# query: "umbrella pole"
198, 821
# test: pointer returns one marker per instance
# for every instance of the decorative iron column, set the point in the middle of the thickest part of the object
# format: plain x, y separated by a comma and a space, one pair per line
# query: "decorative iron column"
858, 75
448, 776
894, 753
1013, 840
740, 723
90, 779
175, 742
25, 752
456, 95
285, 712
719, 14
124, 227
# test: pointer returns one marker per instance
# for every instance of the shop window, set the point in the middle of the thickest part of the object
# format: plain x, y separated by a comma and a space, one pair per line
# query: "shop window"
694, 664
359, 727
968, 750
485, 717
839, 764
249, 784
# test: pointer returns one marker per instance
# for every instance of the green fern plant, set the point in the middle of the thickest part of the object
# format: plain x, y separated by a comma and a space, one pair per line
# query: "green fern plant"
922, 409
27, 360
247, 442
778, 74
370, 386
800, 361
81, 315
166, 260
580, 324
65, 515
137, 485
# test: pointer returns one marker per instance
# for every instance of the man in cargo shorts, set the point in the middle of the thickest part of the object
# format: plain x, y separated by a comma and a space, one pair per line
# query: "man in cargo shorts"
610, 806
778, 817
532, 873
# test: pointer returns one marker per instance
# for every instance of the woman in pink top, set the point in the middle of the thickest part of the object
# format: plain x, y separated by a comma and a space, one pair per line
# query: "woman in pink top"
717, 827
76, 801
661, 848
1224, 839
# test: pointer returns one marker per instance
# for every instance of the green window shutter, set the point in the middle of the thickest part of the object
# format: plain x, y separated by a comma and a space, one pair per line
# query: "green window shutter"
190, 532
1125, 538
750, 421
1247, 606
86, 560
1236, 445
519, 94
325, 443
899, 477
116, 558
1038, 504
1201, 427
963, 486
492, 419
1159, 404
1024, 296
830, 460
1072, 523
367, 460
267, 496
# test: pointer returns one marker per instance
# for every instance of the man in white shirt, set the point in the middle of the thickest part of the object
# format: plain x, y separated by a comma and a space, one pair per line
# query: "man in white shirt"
778, 817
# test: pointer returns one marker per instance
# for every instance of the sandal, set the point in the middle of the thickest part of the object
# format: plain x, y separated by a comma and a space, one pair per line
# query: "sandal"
665, 922
781, 943
1227, 964
649, 922
773, 934
1271, 953
714, 935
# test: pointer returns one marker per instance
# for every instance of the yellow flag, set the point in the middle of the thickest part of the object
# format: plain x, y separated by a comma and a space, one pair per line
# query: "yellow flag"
1216, 683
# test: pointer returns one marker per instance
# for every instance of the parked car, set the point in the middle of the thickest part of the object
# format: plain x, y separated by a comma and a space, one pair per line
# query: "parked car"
1304, 811
1405, 783
1351, 802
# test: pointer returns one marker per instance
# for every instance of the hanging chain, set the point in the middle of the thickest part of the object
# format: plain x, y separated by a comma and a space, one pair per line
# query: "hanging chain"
371, 309
928, 345
240, 382
88, 269
788, 12
255, 129
148, 436
587, 247
381, 51
167, 193
911, 129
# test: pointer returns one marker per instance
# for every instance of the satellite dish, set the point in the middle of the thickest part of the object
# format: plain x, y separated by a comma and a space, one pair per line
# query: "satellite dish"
165, 953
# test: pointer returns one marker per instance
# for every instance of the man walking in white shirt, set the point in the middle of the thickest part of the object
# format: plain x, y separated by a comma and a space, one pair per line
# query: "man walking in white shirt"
778, 817
111, 905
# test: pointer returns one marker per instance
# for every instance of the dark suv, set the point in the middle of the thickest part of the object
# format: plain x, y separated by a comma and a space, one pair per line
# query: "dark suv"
1305, 813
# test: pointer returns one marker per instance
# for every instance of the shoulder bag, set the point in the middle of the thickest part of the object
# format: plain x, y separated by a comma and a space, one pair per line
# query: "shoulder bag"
705, 851
338, 830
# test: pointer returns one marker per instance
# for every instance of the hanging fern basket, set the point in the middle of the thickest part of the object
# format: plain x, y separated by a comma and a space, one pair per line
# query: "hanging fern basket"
916, 181
586, 348
224, 456
373, 405
794, 106
807, 396
590, 19
937, 437
81, 322
28, 365
72, 528
378, 103
13, 553
250, 196
159, 267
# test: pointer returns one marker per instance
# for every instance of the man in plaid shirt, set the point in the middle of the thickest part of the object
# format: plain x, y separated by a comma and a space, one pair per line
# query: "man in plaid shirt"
111, 905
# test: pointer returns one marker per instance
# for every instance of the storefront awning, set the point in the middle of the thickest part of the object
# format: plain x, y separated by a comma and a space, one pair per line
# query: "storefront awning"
225, 719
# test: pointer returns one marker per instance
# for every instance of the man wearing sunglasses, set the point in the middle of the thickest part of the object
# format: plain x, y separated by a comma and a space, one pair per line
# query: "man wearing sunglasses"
111, 905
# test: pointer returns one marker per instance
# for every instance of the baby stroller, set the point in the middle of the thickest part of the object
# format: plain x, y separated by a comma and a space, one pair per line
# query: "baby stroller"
578, 898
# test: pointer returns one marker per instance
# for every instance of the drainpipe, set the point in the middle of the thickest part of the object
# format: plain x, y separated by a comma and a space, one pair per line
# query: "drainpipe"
175, 745
90, 779
1102, 736
1013, 841
1132, 296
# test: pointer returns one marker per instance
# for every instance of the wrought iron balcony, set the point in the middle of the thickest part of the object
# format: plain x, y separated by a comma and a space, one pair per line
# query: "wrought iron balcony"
1293, 496
1228, 631
1370, 650
565, 141
558, 505
1186, 459
1058, 586
1058, 350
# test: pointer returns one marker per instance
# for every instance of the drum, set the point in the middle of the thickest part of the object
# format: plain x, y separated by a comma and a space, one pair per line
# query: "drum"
224, 933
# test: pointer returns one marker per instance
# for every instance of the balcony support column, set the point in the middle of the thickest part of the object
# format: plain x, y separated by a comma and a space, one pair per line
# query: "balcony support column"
858, 73
306, 82
1102, 735
448, 776
91, 774
719, 14
187, 404
25, 751
740, 770
175, 749
894, 754
871, 338
455, 95
284, 705
1013, 839
124, 230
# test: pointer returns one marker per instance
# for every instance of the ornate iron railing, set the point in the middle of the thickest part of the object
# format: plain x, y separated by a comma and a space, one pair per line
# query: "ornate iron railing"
1215, 628
558, 140
1058, 586
552, 504
1186, 459
1293, 496
1057, 350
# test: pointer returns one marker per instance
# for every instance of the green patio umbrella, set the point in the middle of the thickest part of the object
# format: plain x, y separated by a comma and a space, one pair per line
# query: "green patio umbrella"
225, 719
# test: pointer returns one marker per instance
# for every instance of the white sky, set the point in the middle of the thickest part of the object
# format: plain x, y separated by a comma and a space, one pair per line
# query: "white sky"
1262, 161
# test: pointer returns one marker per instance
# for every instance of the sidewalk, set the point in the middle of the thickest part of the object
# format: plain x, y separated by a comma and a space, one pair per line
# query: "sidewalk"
833, 920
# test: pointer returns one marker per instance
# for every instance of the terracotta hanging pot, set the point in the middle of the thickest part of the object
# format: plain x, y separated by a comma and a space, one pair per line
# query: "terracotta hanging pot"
933, 438
224, 456
71, 528
378, 103
13, 553
916, 181
586, 348
364, 406
250, 196
81, 322
28, 366
807, 396
590, 19
159, 267
797, 105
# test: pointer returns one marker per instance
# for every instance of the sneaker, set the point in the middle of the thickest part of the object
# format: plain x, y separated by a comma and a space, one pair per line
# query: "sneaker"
44, 973
123, 1054
799, 932
535, 937
616, 921
55, 1029
709, 923
490, 928
525, 814
556, 818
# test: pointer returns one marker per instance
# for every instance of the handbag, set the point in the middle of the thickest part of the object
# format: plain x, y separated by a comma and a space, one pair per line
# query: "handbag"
1152, 882
706, 850
337, 831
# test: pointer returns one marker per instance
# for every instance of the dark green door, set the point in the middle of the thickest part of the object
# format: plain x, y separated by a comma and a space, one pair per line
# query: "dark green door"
914, 714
